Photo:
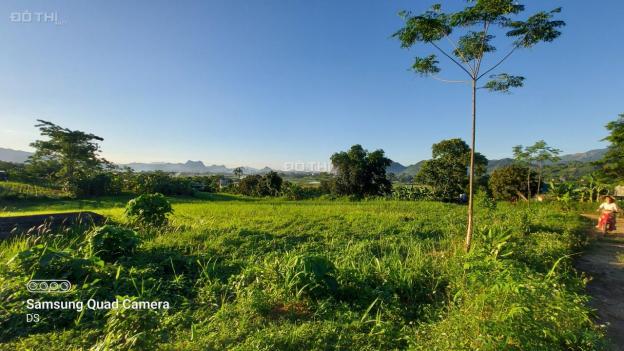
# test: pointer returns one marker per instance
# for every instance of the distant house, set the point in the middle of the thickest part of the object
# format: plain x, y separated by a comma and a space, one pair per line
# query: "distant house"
619, 192
4, 176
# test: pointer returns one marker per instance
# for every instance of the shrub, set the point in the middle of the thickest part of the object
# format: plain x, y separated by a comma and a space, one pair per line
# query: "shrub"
163, 183
111, 242
149, 209
484, 201
98, 185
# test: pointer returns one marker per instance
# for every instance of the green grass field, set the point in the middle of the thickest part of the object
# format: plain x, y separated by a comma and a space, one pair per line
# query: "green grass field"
248, 274
17, 190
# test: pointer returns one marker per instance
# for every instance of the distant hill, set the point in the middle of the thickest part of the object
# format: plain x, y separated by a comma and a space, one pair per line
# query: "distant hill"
589, 156
16, 156
190, 167
494, 164
581, 157
395, 168
413, 169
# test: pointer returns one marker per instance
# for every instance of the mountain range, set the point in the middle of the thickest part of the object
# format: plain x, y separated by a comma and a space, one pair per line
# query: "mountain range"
191, 167
15, 156
18, 156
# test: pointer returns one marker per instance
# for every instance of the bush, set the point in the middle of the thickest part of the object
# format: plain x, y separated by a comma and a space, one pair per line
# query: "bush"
111, 242
484, 201
163, 183
269, 184
149, 209
98, 185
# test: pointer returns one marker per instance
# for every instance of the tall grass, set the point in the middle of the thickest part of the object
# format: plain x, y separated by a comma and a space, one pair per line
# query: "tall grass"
321, 274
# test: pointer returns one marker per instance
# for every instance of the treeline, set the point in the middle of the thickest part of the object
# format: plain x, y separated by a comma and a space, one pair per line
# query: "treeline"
69, 160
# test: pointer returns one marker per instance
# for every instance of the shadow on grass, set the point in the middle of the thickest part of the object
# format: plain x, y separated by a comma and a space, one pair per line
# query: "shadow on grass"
201, 196
105, 202
51, 205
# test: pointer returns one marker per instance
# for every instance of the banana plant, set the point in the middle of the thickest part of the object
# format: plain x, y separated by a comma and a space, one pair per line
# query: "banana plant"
562, 191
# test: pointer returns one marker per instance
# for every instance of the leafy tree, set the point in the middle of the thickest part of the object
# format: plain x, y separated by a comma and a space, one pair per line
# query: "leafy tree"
238, 172
612, 163
476, 22
536, 156
542, 153
361, 173
509, 182
71, 154
272, 183
447, 172
250, 185
269, 184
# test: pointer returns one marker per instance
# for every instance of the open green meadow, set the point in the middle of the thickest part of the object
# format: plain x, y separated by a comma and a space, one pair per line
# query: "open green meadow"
246, 274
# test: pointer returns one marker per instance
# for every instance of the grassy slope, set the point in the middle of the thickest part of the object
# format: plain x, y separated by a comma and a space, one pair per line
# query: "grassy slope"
240, 274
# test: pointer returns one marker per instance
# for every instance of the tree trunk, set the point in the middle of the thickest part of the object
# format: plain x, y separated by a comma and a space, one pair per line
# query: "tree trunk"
529, 184
472, 159
539, 179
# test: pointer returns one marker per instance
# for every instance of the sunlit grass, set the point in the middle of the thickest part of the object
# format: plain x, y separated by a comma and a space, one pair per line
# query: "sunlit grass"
233, 267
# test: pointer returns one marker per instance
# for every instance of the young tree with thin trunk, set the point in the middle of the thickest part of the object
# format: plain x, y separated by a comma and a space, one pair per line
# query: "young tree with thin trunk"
477, 22
523, 157
542, 153
535, 156
238, 172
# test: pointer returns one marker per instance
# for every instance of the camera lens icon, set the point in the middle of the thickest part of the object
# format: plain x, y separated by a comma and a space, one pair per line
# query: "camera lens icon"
48, 286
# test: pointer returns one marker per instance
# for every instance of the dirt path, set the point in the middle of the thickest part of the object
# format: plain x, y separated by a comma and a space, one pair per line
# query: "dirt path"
603, 261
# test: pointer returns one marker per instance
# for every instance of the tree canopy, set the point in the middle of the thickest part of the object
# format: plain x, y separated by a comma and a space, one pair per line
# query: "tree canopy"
361, 173
71, 154
612, 163
269, 184
509, 182
476, 23
535, 156
446, 173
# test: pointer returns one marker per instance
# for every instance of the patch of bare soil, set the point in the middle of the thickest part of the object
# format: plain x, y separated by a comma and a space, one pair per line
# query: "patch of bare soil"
603, 261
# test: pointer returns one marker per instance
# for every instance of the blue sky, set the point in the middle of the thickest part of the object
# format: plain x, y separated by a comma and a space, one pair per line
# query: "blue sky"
263, 82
